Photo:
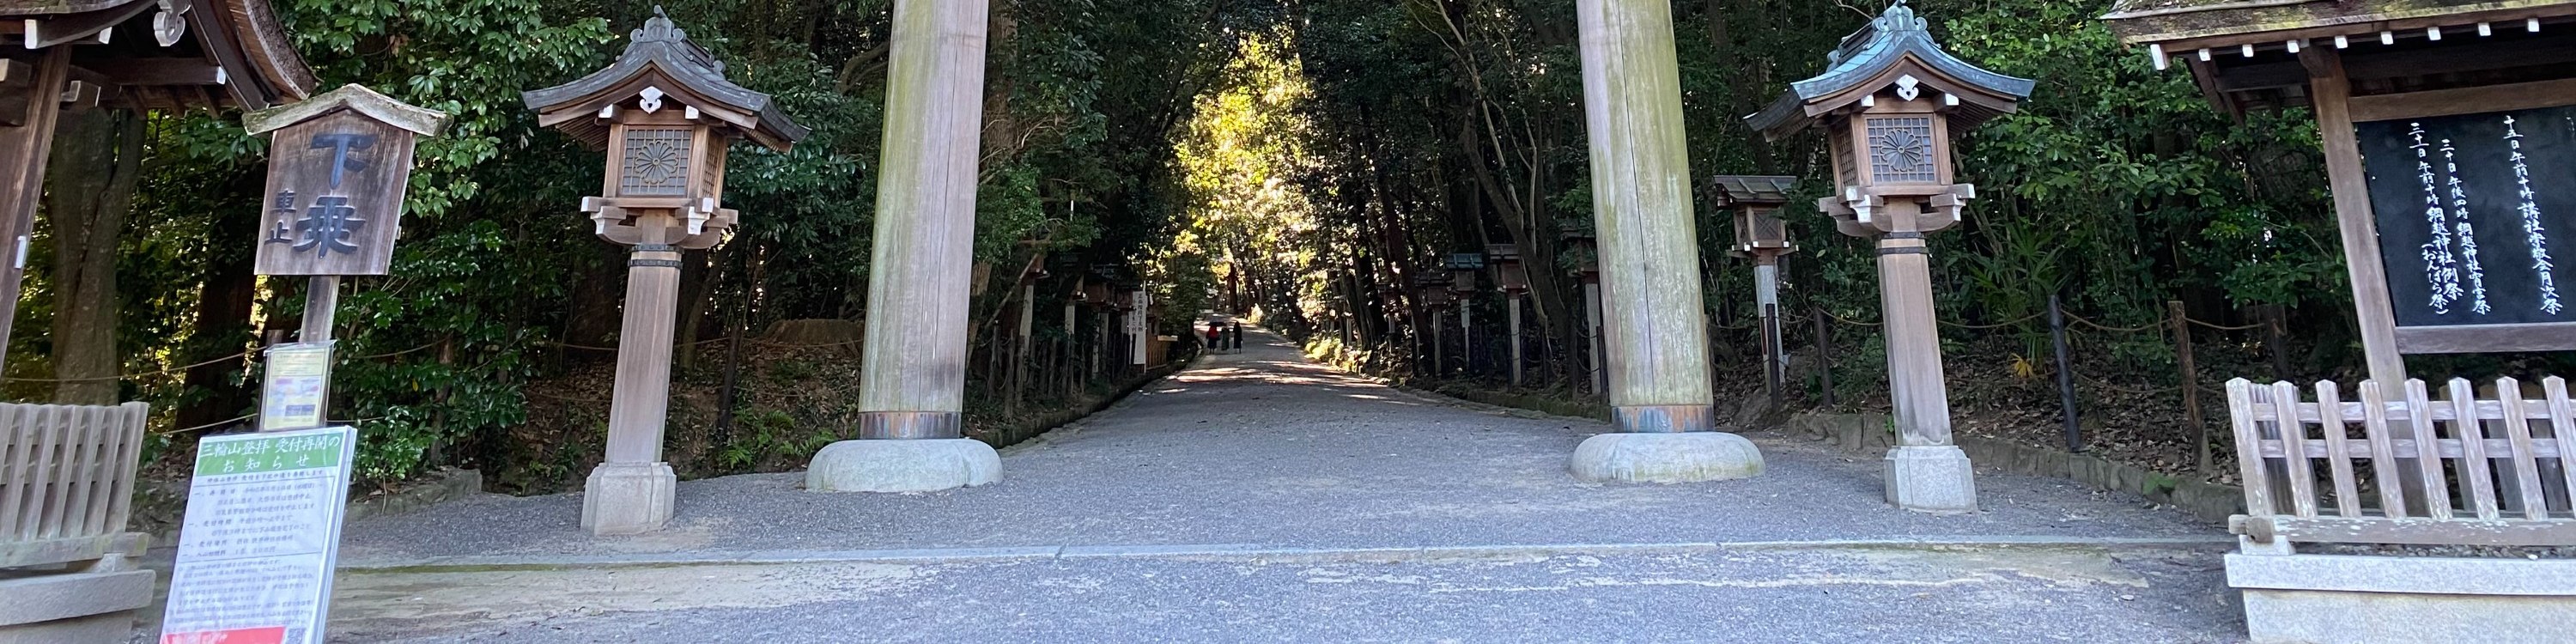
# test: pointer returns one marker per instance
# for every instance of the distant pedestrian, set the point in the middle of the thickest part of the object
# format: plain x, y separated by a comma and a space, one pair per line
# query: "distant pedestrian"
1213, 332
1237, 332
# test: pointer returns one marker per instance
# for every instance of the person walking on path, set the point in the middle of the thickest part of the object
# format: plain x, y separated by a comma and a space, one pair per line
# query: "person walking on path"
1214, 333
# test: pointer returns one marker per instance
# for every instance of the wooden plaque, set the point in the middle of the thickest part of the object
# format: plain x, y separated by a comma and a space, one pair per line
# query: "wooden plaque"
335, 196
2477, 228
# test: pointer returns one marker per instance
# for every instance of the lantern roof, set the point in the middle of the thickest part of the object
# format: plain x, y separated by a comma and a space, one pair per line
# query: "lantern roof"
1734, 190
660, 61
1892, 46
353, 97
189, 53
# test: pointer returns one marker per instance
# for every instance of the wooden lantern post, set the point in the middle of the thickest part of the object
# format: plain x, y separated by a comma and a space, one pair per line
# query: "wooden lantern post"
666, 115
1463, 268
1887, 103
1514, 282
1755, 203
1596, 370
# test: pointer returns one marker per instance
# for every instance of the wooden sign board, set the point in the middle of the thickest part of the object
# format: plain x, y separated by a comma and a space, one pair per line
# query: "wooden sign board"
335, 196
2474, 212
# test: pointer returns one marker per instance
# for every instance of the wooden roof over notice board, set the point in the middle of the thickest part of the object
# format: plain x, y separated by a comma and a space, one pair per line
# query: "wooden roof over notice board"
161, 53
2244, 53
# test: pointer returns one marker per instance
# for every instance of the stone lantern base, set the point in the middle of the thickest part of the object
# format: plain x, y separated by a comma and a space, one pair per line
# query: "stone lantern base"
1931, 478
628, 498
903, 465
1682, 457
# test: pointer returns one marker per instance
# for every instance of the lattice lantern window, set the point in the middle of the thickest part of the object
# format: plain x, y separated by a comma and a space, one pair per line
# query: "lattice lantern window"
1898, 137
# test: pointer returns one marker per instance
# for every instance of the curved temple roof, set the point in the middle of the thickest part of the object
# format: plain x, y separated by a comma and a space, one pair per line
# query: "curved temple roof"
1866, 55
211, 52
662, 48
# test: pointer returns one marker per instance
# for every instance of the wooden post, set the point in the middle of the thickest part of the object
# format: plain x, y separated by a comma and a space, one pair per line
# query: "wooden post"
642, 397
2065, 376
1020, 344
1466, 337
1917, 393
1515, 301
2190, 377
1596, 360
321, 305
1439, 349
1824, 354
1766, 299
2329, 89
1648, 245
913, 384
23, 152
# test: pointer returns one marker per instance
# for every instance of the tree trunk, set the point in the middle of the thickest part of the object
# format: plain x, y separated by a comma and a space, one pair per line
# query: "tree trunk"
97, 160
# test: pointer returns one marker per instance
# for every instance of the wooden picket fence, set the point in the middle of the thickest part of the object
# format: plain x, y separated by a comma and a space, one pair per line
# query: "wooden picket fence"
2498, 471
67, 482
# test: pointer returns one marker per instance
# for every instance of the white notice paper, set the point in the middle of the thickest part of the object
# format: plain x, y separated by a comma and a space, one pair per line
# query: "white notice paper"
261, 536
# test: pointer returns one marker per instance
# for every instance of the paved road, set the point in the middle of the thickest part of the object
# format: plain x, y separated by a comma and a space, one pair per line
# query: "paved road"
1265, 448
1750, 596
1259, 497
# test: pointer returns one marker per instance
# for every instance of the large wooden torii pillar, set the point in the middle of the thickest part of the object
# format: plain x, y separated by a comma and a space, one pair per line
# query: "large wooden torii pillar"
912, 388
1653, 330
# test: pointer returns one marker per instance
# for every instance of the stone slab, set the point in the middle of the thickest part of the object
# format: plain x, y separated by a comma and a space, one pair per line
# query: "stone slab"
1666, 458
49, 598
903, 465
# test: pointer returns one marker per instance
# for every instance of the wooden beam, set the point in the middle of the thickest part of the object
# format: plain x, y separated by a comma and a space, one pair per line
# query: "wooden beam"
2464, 100
2488, 338
153, 71
24, 151
2331, 90
2502, 532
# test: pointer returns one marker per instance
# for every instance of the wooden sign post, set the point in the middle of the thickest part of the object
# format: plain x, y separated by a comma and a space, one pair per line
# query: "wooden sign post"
1755, 203
1888, 103
338, 166
666, 115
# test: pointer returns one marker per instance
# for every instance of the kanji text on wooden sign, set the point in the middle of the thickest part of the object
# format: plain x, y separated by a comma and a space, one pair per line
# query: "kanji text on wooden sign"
335, 194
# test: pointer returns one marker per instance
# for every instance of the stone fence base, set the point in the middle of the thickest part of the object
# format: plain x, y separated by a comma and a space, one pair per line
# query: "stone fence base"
2369, 599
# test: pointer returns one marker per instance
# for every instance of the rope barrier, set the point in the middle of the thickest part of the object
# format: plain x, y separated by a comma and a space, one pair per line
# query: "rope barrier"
1849, 321
1997, 325
236, 356
2097, 325
218, 423
2223, 328
2143, 392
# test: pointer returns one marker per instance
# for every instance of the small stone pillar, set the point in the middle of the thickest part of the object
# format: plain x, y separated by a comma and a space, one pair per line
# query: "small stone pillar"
912, 387
666, 115
1654, 330
1887, 103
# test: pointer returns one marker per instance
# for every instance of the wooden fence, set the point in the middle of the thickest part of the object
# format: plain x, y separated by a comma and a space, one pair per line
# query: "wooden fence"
67, 482
2498, 471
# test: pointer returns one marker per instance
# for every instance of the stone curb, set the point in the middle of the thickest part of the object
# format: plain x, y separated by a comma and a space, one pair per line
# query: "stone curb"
1251, 552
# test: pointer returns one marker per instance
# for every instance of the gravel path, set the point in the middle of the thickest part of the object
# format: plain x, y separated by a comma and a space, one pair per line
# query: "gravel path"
2019, 595
1265, 448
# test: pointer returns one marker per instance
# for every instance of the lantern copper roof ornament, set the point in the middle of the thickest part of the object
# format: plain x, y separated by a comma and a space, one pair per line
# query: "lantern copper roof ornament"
661, 62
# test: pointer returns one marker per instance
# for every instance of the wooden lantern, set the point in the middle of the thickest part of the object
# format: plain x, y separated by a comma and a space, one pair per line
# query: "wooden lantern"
1755, 203
1508, 273
1463, 268
665, 114
1888, 102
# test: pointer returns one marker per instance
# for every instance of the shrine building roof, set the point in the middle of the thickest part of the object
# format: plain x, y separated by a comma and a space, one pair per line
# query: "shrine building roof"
188, 53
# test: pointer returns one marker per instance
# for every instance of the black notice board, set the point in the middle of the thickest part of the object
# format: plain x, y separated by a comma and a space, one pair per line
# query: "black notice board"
2468, 232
